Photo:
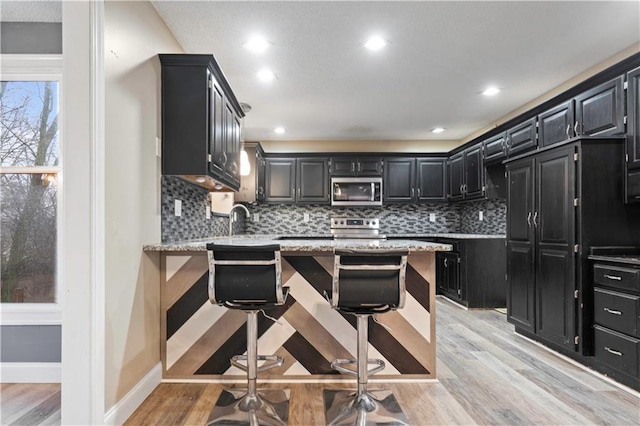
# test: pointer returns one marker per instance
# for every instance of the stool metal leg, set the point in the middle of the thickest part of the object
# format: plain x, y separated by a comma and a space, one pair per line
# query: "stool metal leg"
362, 407
253, 407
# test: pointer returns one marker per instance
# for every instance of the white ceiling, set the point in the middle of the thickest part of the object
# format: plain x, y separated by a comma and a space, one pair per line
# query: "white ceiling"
442, 54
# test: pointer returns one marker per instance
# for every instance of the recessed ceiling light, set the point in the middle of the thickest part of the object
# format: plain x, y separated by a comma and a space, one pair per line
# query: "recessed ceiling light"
256, 44
266, 75
375, 43
490, 91
437, 130
279, 130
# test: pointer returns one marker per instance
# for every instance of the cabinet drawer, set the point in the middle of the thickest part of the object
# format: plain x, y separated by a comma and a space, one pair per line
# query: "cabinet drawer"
618, 311
618, 277
616, 350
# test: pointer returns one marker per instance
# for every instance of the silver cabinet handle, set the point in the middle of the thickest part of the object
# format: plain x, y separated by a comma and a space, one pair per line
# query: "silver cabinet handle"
502, 144
535, 216
612, 311
461, 190
353, 167
412, 192
465, 188
224, 158
418, 192
613, 277
359, 166
611, 351
299, 192
575, 128
506, 141
445, 262
529, 219
234, 168
260, 190
568, 132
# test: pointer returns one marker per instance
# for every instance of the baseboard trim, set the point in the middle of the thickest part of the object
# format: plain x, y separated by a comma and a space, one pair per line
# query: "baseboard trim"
123, 409
30, 372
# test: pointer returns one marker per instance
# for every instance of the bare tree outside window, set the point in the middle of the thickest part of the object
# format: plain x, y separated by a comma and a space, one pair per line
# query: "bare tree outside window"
28, 192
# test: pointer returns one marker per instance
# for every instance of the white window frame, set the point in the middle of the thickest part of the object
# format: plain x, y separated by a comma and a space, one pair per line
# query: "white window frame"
39, 68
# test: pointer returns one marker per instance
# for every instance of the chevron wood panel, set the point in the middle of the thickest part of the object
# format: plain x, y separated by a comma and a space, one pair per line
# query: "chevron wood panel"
200, 338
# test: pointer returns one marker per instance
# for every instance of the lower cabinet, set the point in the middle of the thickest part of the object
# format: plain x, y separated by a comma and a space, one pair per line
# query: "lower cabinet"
462, 274
616, 314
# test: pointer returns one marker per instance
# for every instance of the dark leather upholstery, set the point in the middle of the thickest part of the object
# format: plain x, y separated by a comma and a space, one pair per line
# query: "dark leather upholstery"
369, 291
247, 287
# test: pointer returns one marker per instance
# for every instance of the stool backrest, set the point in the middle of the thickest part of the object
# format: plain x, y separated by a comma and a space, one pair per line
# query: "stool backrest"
245, 275
369, 279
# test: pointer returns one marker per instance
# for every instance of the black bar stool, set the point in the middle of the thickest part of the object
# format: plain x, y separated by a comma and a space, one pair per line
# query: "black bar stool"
248, 278
365, 283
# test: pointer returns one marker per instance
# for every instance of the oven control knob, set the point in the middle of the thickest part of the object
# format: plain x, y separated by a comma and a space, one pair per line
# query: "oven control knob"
367, 222
373, 222
342, 222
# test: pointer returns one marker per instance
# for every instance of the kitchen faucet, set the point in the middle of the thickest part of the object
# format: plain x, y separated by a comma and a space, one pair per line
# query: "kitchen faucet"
231, 216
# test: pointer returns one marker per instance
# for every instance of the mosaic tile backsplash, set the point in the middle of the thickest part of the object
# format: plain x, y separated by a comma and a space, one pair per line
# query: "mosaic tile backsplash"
289, 219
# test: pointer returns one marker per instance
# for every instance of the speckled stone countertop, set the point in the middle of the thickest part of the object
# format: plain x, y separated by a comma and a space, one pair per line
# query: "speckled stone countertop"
301, 244
455, 236
629, 259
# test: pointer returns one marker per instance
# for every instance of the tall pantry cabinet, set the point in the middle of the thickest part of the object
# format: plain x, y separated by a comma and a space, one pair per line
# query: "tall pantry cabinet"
561, 201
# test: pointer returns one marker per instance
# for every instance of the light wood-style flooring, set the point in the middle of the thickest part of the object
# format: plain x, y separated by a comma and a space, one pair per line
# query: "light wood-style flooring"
29, 404
487, 375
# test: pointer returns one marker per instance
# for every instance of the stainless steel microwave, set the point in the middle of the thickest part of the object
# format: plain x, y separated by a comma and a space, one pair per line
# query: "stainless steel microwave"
356, 191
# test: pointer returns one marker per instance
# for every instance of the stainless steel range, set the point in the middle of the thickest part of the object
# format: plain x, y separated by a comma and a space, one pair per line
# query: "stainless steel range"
352, 227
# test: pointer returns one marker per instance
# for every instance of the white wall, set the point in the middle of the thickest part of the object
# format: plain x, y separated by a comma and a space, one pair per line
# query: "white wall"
134, 35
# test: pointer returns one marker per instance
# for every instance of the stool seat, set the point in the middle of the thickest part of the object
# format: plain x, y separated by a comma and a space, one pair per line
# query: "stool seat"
249, 278
365, 283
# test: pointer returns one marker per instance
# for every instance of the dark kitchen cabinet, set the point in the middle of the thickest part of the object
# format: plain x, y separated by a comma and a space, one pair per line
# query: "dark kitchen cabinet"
297, 180
462, 274
200, 122
252, 185
312, 178
356, 166
495, 148
632, 182
399, 180
616, 312
466, 174
560, 202
556, 124
522, 137
280, 180
414, 180
598, 111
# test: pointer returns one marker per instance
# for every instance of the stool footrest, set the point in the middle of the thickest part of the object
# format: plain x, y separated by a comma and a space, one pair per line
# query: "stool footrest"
272, 361
337, 364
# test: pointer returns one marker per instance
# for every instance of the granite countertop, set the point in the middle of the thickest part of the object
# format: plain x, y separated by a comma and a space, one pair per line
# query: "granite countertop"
304, 244
452, 235
629, 259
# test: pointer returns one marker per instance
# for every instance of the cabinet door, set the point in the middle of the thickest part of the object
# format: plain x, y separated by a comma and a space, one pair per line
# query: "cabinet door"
399, 180
555, 262
260, 177
633, 119
494, 148
600, 111
556, 124
313, 180
231, 144
217, 124
473, 172
520, 245
448, 274
455, 177
431, 180
369, 167
343, 166
280, 180
522, 137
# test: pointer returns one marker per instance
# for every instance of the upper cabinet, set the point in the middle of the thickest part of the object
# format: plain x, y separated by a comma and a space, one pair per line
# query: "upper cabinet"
632, 181
414, 180
466, 174
495, 148
356, 166
200, 122
522, 137
297, 180
597, 112
252, 185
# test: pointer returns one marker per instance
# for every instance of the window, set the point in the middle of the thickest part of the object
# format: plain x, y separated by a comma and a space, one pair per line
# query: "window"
30, 172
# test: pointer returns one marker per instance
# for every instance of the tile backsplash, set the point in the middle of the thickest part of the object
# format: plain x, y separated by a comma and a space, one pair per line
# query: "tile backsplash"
289, 219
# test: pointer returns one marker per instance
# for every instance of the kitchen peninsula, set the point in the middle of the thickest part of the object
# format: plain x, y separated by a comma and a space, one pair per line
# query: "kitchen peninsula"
199, 338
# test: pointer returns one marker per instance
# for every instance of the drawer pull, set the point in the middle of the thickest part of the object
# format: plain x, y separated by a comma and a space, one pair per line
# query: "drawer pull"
613, 277
611, 351
611, 311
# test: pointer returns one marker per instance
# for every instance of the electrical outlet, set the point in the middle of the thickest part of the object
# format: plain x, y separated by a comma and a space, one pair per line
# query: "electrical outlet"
235, 216
256, 217
158, 147
177, 208
432, 217
305, 217
208, 213
480, 216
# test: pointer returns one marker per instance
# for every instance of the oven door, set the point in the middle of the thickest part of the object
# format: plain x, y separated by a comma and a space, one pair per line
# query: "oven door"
356, 191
